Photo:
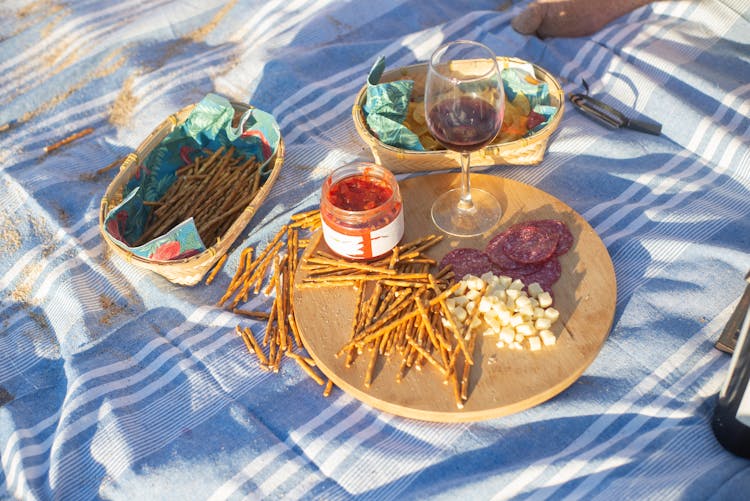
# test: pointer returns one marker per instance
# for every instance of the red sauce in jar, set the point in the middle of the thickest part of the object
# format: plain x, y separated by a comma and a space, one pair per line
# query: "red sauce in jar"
360, 192
361, 211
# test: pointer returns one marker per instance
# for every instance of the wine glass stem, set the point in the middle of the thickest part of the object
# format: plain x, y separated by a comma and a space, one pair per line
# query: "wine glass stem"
466, 203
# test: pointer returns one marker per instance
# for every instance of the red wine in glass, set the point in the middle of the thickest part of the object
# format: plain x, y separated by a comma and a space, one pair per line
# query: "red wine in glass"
464, 124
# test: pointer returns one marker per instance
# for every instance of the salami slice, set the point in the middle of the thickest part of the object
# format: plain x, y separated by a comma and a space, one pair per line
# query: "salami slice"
495, 252
546, 275
467, 261
529, 243
565, 240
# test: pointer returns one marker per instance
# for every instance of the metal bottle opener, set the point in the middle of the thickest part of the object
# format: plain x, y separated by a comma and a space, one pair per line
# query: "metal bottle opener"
610, 117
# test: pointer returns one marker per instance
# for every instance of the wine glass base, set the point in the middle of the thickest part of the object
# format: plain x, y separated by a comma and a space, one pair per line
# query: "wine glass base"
448, 215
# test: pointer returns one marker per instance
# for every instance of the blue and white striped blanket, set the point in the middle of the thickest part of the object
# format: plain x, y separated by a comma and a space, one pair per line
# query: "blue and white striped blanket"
115, 383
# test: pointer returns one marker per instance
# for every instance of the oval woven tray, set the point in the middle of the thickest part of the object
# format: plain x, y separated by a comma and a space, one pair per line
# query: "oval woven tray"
187, 271
526, 151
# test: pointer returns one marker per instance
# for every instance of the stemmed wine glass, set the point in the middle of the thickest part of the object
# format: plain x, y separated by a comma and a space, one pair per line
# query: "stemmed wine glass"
464, 106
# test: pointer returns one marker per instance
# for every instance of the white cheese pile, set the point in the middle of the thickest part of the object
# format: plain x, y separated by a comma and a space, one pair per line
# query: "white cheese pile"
521, 319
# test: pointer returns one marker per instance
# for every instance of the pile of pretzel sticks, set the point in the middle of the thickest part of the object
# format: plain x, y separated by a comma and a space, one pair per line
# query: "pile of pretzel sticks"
212, 189
400, 315
404, 318
271, 272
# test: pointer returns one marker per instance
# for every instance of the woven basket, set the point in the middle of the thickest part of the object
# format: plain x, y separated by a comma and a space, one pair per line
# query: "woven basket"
525, 151
187, 271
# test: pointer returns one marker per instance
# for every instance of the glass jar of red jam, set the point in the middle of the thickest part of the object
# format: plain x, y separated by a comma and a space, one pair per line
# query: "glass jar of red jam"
361, 210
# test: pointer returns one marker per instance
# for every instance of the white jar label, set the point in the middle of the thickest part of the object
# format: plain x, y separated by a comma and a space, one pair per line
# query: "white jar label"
367, 244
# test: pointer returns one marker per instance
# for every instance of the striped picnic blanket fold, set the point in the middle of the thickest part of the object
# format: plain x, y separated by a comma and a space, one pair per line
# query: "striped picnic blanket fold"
117, 384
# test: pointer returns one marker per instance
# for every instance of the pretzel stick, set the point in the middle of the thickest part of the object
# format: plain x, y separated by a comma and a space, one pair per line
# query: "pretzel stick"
328, 388
272, 243
277, 360
360, 320
274, 276
471, 332
428, 356
336, 278
269, 327
261, 315
216, 269
357, 307
256, 180
403, 366
386, 299
281, 303
69, 139
371, 365
453, 382
305, 215
110, 166
250, 337
303, 363
402, 283
432, 335
291, 244
295, 329
234, 283
261, 267
308, 360
351, 265
272, 346
244, 339
451, 324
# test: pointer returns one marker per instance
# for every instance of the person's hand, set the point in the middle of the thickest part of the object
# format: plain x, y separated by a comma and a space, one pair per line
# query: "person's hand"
571, 18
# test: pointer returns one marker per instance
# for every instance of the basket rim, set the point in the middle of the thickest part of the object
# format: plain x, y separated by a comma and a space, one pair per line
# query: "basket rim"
215, 250
541, 135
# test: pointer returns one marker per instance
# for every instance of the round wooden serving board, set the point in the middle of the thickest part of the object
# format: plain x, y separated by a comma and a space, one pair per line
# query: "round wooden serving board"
502, 381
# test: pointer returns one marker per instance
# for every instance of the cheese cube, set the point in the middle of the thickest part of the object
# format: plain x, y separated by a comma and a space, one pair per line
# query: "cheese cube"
527, 311
516, 284
460, 300
488, 277
525, 329
474, 283
548, 337
459, 314
516, 319
535, 344
545, 299
491, 319
507, 335
504, 281
485, 304
522, 300
503, 314
534, 289
542, 323
552, 314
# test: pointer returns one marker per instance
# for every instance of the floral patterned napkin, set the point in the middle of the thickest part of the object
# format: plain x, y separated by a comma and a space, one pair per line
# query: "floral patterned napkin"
209, 126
